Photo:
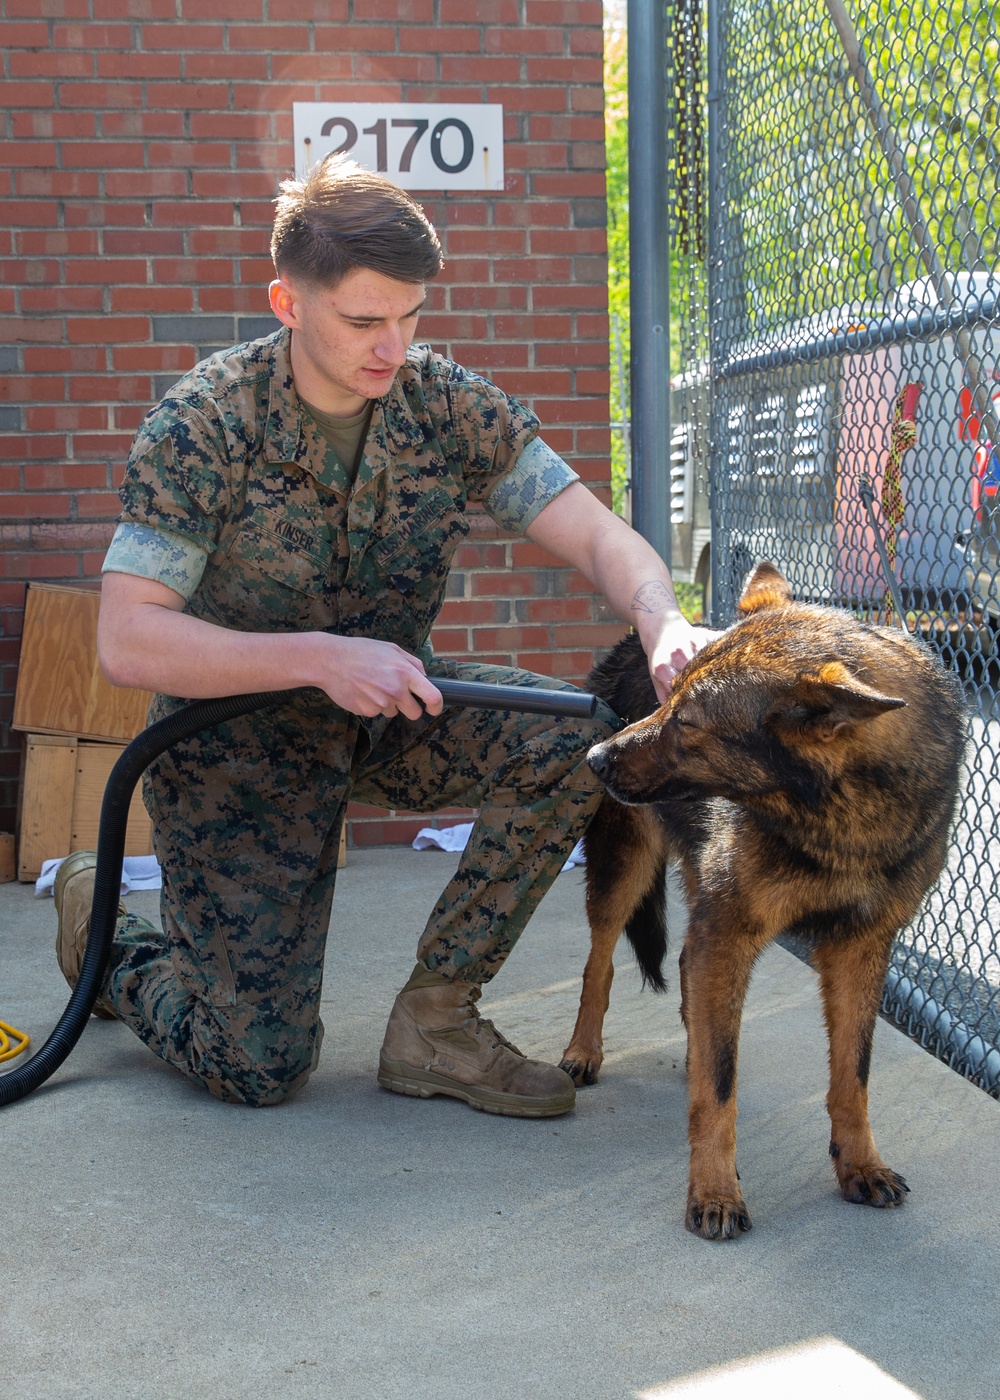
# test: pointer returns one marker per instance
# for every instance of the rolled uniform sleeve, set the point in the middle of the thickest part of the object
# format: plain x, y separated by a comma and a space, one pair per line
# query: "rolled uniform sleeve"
536, 478
160, 555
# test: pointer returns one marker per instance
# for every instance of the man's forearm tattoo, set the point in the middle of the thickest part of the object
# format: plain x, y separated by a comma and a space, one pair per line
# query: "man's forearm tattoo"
653, 597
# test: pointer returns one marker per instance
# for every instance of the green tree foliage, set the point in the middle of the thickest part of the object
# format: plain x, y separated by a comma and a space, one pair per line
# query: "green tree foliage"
616, 142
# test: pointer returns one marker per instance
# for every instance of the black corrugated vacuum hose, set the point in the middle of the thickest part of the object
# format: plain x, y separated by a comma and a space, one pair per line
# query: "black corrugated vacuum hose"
140, 753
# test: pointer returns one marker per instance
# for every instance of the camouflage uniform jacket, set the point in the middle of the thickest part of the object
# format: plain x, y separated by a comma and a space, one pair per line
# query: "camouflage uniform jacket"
230, 471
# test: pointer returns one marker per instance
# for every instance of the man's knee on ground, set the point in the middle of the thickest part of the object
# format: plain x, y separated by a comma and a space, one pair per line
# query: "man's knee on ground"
259, 1076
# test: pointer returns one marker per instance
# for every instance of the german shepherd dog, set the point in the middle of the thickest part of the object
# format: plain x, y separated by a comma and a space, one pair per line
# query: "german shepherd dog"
804, 774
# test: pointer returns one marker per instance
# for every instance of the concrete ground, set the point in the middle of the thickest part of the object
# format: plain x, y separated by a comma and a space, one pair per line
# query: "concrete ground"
358, 1245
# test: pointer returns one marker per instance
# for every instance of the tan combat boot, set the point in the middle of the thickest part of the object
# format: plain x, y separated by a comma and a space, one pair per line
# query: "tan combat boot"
74, 894
436, 1043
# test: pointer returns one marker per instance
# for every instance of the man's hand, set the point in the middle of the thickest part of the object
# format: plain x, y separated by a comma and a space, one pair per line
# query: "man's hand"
368, 678
672, 650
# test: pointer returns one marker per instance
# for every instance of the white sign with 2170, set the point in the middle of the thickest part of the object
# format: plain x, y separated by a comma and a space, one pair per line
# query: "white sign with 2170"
421, 146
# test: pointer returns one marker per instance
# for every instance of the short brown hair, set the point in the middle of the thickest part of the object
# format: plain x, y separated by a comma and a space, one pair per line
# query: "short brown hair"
341, 217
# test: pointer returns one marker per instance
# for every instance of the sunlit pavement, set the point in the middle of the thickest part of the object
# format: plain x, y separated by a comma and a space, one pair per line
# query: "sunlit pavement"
359, 1245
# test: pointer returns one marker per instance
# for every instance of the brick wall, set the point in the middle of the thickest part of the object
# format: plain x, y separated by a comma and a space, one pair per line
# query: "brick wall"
144, 143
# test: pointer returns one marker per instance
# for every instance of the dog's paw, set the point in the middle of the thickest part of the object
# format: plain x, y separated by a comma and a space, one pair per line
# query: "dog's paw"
582, 1066
718, 1218
875, 1185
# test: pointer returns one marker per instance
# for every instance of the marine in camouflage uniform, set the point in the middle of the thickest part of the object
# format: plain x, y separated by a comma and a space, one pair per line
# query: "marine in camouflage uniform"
234, 499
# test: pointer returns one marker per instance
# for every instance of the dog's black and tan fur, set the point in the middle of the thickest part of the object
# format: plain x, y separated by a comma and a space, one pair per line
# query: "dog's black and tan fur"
804, 775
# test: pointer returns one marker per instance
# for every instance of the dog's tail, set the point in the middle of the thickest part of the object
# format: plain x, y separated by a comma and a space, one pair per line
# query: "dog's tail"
646, 930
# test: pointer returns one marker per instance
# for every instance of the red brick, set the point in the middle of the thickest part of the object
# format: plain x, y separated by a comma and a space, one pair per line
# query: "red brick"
92, 36
138, 65
98, 504
555, 609
188, 96
36, 299
320, 11
403, 11
226, 242
100, 95
575, 297
192, 36
449, 640
567, 665
228, 10
25, 36
504, 585
497, 12
587, 635
236, 67
22, 388
406, 68
494, 69
105, 270
54, 64
30, 213
58, 242
118, 215
428, 40
566, 12
367, 39
248, 301
191, 213
85, 330
185, 155
152, 359
593, 381
39, 566
34, 505
269, 38
101, 444
531, 383
246, 184
586, 41
27, 95
47, 418
64, 359
145, 242
526, 39
58, 183
74, 476
571, 73
512, 637
529, 99
469, 611
28, 270
23, 449
57, 125
151, 298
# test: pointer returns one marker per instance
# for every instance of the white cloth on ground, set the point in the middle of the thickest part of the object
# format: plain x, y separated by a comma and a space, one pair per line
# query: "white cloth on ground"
455, 838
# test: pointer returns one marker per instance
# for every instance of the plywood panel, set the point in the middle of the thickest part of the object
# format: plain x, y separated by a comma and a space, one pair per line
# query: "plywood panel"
46, 802
60, 687
94, 763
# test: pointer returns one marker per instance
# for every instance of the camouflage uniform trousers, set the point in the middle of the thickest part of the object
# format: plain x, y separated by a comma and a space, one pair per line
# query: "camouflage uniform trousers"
229, 991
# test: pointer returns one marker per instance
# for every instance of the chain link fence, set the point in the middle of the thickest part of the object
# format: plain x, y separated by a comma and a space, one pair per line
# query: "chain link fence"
835, 395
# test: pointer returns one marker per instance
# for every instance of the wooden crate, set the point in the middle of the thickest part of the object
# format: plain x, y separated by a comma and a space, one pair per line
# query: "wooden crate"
61, 793
60, 687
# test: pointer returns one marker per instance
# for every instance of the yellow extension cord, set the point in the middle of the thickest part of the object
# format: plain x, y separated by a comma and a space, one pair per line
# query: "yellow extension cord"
12, 1041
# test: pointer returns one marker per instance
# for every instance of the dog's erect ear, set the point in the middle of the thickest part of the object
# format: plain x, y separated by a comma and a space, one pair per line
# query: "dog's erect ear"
823, 704
765, 588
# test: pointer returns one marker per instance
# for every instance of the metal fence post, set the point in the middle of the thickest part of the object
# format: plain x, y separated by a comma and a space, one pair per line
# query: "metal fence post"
649, 259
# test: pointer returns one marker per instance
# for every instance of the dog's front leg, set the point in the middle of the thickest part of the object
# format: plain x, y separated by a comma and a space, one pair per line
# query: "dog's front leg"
852, 974
716, 975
